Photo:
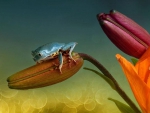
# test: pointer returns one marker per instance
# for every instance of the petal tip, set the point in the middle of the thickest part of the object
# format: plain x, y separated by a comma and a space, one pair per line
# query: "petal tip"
100, 16
118, 56
101, 22
113, 11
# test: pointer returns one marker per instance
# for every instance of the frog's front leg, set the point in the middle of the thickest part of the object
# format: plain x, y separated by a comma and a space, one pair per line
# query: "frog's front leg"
70, 46
60, 58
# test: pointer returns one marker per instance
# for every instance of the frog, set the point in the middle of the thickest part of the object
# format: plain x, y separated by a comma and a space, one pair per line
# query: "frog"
53, 50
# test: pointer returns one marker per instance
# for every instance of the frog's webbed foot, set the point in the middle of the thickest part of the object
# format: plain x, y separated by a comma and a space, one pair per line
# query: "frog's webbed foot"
60, 58
60, 70
39, 62
56, 67
70, 57
69, 48
66, 53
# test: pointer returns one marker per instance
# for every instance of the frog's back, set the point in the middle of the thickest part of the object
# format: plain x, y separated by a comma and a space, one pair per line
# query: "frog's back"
55, 46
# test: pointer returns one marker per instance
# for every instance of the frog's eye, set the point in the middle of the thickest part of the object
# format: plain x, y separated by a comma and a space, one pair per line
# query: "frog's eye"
39, 54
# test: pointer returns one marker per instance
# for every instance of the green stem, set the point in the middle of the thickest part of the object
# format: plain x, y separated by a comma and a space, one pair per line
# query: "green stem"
106, 73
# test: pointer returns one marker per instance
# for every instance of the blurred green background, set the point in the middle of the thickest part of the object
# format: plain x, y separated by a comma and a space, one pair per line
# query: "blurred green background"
28, 24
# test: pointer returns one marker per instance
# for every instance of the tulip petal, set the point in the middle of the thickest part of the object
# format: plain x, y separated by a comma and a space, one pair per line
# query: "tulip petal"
131, 26
139, 88
143, 67
121, 39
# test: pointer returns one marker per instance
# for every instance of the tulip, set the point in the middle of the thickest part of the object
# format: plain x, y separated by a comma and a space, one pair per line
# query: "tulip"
127, 35
138, 78
45, 74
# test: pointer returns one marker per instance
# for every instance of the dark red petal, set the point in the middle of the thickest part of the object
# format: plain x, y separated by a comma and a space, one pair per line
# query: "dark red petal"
131, 26
122, 40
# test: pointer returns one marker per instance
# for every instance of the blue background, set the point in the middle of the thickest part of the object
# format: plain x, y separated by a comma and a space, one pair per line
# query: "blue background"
28, 24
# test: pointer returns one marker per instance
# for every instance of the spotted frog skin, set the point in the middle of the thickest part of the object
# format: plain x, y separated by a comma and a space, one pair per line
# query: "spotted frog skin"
53, 50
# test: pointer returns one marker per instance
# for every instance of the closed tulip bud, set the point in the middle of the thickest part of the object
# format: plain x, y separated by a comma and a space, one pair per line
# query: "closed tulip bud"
45, 74
127, 35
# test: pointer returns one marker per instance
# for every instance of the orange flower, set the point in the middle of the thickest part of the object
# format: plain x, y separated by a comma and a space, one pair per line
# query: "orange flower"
138, 78
45, 74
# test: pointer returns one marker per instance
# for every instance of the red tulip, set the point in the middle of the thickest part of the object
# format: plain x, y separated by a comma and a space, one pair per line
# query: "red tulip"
127, 35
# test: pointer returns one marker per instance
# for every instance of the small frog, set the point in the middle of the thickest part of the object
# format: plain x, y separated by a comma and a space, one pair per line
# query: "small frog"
53, 50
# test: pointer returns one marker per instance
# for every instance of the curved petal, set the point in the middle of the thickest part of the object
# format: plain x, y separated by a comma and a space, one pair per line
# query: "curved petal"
131, 26
122, 39
139, 88
148, 104
143, 66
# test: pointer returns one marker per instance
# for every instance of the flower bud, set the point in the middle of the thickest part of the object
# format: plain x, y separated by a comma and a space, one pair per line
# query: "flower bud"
45, 73
127, 35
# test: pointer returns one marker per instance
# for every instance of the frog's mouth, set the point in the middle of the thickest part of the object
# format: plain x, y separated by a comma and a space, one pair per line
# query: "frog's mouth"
49, 58
37, 57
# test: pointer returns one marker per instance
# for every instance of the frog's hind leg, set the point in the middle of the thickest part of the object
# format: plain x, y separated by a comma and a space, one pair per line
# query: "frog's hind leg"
60, 58
70, 46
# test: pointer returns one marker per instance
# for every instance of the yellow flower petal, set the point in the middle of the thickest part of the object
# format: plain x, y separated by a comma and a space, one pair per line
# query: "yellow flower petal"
139, 88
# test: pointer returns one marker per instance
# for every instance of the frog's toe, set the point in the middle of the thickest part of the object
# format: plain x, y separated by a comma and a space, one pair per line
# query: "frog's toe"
56, 65
60, 66
72, 59
60, 70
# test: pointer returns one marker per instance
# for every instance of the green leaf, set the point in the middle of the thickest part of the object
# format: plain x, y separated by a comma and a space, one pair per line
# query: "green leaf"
134, 61
122, 107
108, 80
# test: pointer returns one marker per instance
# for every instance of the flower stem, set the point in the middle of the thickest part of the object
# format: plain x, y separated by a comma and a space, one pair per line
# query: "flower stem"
106, 73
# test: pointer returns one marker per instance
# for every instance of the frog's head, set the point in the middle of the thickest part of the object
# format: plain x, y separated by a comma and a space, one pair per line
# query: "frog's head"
38, 56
